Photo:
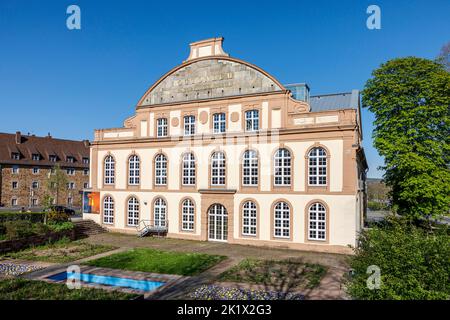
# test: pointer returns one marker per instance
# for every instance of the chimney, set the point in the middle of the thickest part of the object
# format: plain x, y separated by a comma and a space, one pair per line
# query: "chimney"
49, 135
18, 137
208, 47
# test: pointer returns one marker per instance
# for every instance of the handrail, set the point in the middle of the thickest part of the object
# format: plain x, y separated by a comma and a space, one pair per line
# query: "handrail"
145, 226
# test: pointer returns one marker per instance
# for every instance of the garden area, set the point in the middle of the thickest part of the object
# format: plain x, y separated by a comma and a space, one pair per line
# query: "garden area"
157, 261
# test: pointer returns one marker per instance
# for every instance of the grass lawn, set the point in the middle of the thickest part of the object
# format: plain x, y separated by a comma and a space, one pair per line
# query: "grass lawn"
61, 251
150, 260
291, 273
21, 289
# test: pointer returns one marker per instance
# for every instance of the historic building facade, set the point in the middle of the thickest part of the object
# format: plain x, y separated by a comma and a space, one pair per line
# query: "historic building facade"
220, 150
27, 162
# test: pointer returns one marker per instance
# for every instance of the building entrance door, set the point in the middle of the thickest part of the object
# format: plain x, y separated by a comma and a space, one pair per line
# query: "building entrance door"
217, 223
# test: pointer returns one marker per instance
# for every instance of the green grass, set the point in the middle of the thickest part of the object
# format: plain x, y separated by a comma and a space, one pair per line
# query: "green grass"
21, 289
275, 273
150, 260
61, 251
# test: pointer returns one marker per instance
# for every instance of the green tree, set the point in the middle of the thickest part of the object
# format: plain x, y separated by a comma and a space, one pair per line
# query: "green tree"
410, 98
56, 183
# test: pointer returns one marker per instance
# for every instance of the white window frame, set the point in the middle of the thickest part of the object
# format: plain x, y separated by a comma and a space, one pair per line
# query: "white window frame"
109, 168
317, 167
70, 171
188, 167
249, 219
15, 185
15, 156
132, 212
250, 168
15, 169
160, 212
69, 201
281, 223
317, 222
187, 215
35, 157
189, 125
35, 185
52, 158
252, 120
162, 127
282, 167
134, 173
108, 210
34, 202
218, 169
219, 122
35, 170
85, 160
14, 202
160, 170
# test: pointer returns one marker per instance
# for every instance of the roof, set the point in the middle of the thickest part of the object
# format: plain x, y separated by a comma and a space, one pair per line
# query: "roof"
44, 146
335, 101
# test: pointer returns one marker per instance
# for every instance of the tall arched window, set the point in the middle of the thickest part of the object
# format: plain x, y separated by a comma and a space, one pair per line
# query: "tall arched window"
317, 167
134, 170
282, 220
282, 168
317, 222
218, 169
187, 215
249, 218
109, 167
159, 212
133, 212
108, 210
160, 170
250, 168
188, 169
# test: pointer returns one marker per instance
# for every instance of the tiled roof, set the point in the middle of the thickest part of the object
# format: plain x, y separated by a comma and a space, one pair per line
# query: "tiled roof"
336, 101
45, 147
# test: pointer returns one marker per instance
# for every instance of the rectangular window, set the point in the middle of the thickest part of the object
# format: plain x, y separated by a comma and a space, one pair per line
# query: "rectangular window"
189, 125
70, 171
34, 202
15, 169
52, 158
252, 120
14, 202
15, 185
161, 127
86, 185
35, 157
35, 185
35, 170
86, 172
69, 201
70, 159
15, 156
71, 185
219, 123
86, 160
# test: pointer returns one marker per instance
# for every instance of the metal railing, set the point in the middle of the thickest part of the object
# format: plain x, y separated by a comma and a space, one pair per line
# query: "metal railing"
156, 226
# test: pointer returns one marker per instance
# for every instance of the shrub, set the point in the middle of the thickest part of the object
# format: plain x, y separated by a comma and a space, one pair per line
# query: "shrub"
29, 216
376, 206
56, 217
58, 227
414, 262
2, 229
18, 229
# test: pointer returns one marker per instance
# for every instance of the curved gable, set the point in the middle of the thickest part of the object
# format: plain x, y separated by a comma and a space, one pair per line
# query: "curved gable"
210, 78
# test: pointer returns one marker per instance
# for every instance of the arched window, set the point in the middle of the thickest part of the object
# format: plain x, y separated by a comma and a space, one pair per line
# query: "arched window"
250, 168
188, 169
282, 220
161, 127
219, 123
109, 167
159, 212
133, 212
317, 222
187, 215
282, 168
249, 218
134, 170
317, 167
252, 120
108, 210
218, 169
160, 170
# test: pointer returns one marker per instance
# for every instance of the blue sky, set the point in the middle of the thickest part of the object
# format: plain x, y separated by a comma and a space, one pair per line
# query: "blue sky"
71, 82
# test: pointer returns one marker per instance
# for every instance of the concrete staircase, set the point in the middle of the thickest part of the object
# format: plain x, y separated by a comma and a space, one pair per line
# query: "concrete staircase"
85, 228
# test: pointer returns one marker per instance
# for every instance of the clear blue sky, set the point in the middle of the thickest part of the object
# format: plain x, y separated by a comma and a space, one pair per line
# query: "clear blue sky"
71, 82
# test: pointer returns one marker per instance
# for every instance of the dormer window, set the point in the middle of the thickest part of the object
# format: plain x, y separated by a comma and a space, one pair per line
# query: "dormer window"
70, 159
15, 156
85, 160
52, 158
35, 157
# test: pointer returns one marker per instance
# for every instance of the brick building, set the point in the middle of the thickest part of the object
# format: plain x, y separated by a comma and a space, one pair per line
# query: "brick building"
26, 163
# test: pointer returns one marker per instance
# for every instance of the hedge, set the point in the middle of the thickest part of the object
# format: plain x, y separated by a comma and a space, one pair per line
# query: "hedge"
33, 217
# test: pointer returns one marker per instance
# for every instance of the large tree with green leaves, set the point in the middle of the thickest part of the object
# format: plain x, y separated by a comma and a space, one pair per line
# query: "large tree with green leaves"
410, 98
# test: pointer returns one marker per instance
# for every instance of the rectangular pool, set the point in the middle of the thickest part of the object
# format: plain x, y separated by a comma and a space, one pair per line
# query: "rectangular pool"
143, 285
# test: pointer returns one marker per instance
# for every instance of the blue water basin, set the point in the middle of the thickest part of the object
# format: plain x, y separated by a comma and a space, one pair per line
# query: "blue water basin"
143, 285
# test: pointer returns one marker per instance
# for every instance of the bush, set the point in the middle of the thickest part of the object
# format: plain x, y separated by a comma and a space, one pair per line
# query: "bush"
58, 227
29, 216
377, 206
2, 229
57, 217
414, 262
18, 229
